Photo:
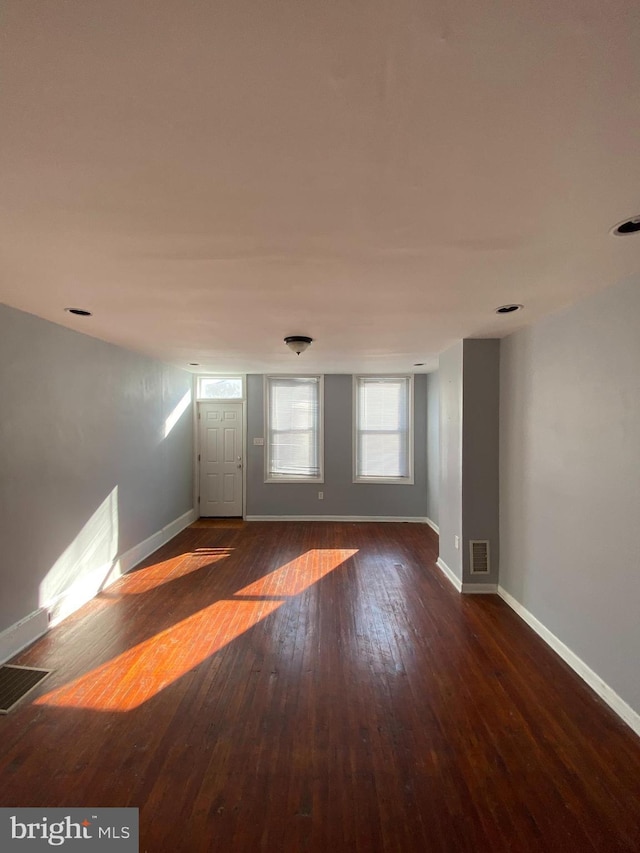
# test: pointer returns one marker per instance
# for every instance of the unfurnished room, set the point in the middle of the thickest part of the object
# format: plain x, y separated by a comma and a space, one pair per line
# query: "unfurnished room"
320, 426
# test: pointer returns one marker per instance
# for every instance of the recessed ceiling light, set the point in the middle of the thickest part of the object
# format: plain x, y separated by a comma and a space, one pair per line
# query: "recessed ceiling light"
509, 309
80, 312
629, 226
419, 364
194, 364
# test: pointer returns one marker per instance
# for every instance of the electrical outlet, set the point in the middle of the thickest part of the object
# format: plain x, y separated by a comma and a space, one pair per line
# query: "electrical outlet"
258, 442
320, 496
456, 542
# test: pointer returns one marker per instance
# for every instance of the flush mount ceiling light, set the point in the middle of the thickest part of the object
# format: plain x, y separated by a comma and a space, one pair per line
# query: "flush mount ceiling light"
79, 312
297, 343
629, 226
509, 309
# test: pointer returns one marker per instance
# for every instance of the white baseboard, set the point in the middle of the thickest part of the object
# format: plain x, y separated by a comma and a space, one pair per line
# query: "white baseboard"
23, 633
129, 559
179, 524
410, 519
606, 693
449, 575
433, 525
479, 588
17, 637
465, 588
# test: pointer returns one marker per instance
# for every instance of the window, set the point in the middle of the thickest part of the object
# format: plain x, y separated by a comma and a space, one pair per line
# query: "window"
293, 418
383, 436
220, 388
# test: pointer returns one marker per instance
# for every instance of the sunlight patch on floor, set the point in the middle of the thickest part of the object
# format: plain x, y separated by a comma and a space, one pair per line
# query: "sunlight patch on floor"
159, 574
139, 674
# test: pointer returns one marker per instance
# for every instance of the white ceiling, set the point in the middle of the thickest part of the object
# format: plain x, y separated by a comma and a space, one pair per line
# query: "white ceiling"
208, 177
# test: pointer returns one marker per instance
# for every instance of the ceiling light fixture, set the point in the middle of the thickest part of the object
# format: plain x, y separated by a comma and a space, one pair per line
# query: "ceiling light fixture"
297, 343
509, 309
629, 226
79, 312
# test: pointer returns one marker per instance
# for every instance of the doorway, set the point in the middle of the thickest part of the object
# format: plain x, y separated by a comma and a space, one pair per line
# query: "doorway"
220, 459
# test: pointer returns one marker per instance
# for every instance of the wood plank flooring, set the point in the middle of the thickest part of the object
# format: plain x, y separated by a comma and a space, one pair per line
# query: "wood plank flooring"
319, 687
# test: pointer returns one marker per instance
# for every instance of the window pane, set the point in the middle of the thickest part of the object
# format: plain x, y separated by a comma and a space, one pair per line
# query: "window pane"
220, 387
382, 405
294, 454
294, 407
383, 455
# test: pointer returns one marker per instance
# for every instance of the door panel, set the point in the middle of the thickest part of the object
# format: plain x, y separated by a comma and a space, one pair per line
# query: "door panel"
229, 495
212, 494
220, 451
230, 451
212, 445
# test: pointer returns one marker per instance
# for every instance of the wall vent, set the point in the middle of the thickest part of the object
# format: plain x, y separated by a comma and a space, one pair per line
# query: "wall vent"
479, 553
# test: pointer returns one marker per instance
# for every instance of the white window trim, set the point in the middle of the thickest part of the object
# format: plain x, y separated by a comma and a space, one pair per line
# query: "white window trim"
241, 376
265, 395
398, 481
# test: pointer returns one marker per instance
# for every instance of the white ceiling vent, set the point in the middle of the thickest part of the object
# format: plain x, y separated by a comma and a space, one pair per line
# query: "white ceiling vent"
479, 552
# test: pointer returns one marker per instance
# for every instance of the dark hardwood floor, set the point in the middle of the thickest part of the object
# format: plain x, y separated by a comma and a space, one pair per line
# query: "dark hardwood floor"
318, 687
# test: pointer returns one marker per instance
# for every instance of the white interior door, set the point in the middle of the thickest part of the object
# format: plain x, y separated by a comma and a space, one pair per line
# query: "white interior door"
220, 456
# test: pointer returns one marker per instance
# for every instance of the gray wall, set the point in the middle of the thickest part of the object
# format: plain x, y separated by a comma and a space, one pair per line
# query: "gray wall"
480, 451
433, 446
82, 446
570, 480
450, 498
341, 496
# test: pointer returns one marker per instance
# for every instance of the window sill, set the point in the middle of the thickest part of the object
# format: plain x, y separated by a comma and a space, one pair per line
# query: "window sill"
290, 480
388, 481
